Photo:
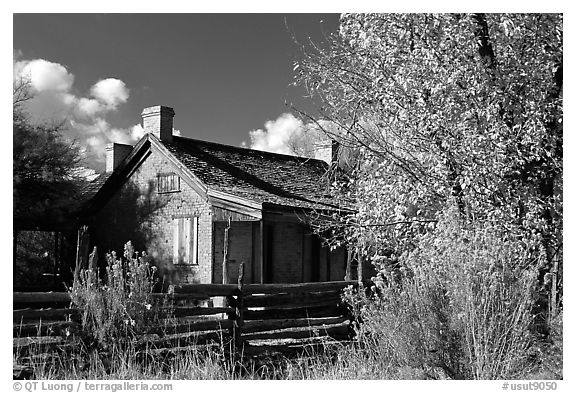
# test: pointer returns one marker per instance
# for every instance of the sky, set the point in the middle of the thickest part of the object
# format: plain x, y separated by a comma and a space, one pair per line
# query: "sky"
227, 76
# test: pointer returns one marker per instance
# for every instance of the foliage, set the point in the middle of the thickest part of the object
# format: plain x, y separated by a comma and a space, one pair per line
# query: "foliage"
550, 352
34, 258
459, 303
456, 121
116, 308
43, 166
445, 109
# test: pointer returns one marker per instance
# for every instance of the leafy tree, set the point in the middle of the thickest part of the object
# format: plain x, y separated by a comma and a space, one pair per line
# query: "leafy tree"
44, 162
446, 110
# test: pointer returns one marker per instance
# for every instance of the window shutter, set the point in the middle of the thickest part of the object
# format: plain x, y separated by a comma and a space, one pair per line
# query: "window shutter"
195, 240
182, 245
185, 235
176, 238
186, 239
168, 182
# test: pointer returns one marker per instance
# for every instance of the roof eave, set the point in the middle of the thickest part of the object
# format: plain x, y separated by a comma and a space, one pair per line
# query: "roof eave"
228, 201
271, 207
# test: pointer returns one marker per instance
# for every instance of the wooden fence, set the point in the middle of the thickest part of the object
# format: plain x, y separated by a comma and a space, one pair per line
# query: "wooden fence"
42, 313
193, 314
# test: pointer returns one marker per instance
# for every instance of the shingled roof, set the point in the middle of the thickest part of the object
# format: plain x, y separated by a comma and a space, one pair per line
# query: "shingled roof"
267, 178
89, 189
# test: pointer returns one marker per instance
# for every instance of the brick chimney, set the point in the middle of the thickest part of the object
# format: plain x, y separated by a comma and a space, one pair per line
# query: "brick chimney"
115, 153
327, 151
158, 120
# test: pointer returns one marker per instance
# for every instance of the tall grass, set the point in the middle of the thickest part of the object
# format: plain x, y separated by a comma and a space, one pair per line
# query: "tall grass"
127, 362
115, 304
459, 306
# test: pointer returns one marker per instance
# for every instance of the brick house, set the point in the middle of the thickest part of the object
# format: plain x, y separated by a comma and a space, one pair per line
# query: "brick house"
174, 196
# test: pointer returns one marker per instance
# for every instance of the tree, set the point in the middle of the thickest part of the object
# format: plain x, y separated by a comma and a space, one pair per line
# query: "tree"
44, 162
446, 110
457, 121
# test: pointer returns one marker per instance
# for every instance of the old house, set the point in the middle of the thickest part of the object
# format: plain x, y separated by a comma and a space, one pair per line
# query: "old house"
174, 196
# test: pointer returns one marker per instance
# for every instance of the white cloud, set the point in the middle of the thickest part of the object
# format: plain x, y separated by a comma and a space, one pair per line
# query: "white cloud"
137, 132
50, 107
17, 54
45, 75
99, 133
111, 92
120, 135
88, 107
277, 134
94, 141
289, 135
83, 117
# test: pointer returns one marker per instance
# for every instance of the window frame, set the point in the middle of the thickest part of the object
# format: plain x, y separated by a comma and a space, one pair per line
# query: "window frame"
166, 176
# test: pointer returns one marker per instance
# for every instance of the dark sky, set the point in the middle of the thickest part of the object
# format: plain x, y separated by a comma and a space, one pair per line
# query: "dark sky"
224, 74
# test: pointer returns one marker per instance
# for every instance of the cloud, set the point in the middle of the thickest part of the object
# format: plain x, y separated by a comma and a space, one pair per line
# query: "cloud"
289, 135
277, 134
110, 91
99, 133
17, 54
137, 132
51, 107
83, 116
88, 107
45, 75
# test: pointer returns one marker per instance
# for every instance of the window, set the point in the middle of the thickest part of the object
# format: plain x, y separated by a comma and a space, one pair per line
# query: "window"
185, 240
168, 182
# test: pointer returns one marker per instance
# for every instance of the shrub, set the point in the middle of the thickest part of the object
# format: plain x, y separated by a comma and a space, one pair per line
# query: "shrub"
458, 305
116, 306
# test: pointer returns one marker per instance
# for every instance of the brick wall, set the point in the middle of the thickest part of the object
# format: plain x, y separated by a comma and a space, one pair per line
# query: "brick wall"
138, 213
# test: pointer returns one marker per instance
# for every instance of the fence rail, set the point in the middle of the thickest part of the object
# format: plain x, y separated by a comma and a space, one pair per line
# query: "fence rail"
206, 290
194, 313
41, 297
43, 313
296, 288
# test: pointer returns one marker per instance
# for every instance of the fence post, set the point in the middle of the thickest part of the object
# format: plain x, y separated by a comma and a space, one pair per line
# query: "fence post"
348, 275
93, 261
82, 251
226, 301
239, 322
225, 259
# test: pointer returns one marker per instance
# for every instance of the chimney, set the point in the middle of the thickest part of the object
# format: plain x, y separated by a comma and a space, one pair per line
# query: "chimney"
115, 153
158, 120
327, 151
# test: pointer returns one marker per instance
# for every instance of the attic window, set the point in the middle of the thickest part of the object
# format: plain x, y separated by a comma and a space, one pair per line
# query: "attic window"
168, 182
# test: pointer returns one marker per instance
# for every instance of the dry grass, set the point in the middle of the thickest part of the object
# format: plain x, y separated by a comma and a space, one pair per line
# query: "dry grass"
460, 307
368, 358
